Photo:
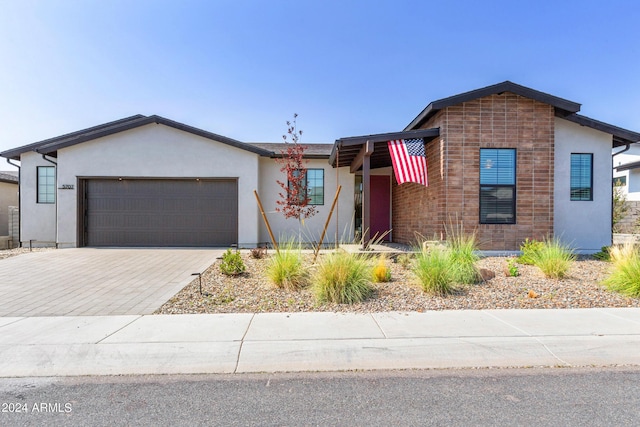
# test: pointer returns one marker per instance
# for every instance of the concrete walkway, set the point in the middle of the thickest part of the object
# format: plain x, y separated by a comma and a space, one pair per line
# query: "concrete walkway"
273, 342
92, 281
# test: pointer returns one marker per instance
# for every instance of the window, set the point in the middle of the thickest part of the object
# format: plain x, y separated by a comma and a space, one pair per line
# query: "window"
497, 186
314, 184
582, 176
620, 181
46, 184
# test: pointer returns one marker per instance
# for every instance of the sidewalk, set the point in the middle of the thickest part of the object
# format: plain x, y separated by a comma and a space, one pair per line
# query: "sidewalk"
275, 342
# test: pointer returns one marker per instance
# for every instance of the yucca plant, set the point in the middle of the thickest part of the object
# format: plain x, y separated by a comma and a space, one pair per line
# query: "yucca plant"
342, 278
286, 268
554, 258
432, 269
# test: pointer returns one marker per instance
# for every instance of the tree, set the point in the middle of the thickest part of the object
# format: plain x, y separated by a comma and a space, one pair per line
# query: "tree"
294, 199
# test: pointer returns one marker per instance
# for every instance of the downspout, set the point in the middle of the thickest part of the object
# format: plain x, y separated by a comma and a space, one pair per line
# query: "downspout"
19, 197
626, 148
44, 157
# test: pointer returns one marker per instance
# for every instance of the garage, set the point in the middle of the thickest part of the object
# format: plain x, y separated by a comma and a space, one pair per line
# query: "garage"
124, 212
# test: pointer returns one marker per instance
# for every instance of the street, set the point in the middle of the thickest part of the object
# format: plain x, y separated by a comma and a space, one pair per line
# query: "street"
534, 396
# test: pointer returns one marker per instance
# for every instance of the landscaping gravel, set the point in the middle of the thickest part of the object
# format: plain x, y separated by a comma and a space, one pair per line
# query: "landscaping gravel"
252, 293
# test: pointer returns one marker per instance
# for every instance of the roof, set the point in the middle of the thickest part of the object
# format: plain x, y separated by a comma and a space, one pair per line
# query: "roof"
313, 151
52, 145
9, 176
627, 166
563, 108
349, 148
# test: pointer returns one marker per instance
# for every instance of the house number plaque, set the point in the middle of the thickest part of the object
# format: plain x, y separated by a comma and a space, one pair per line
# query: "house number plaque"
66, 187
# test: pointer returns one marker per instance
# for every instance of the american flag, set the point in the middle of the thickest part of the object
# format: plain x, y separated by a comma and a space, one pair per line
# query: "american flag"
409, 160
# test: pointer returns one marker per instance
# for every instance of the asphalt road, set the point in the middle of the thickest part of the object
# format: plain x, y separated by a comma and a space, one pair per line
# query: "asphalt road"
536, 397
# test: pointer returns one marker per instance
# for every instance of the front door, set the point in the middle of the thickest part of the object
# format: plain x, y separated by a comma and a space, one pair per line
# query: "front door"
380, 206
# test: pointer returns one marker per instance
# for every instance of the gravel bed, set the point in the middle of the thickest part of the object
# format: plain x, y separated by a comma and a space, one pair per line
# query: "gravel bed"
6, 253
252, 293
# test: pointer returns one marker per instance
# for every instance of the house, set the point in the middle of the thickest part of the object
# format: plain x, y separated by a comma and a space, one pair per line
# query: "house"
8, 200
151, 181
626, 180
507, 161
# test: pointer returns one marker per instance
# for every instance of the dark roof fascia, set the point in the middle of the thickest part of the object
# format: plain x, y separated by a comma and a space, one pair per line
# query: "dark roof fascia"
381, 137
620, 136
51, 146
9, 181
562, 106
14, 153
628, 166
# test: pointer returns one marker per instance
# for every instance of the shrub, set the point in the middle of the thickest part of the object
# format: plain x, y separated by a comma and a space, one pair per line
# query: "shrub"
529, 249
286, 269
512, 268
604, 254
404, 260
433, 271
625, 276
381, 271
462, 254
258, 253
232, 264
554, 258
342, 278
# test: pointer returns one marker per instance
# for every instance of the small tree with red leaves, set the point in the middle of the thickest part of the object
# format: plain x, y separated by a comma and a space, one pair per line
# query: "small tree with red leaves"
294, 199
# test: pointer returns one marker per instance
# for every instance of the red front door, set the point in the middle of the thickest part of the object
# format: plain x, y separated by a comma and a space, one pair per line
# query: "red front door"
380, 206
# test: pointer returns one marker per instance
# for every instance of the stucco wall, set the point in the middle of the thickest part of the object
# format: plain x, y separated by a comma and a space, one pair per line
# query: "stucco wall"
8, 197
585, 225
341, 224
632, 187
38, 220
154, 151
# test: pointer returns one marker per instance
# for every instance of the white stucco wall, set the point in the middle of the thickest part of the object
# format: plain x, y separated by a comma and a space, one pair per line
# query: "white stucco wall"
341, 221
585, 225
632, 188
157, 151
37, 220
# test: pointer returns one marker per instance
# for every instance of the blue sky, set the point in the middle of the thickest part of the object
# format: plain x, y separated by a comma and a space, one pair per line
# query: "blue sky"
242, 68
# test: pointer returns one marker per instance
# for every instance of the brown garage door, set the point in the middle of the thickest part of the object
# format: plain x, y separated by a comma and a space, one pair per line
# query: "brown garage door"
159, 212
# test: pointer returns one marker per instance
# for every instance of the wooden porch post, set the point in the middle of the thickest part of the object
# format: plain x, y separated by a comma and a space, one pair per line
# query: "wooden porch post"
366, 191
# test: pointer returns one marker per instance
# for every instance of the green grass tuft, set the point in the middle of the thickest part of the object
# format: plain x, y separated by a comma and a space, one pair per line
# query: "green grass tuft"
625, 276
342, 278
286, 268
554, 258
433, 271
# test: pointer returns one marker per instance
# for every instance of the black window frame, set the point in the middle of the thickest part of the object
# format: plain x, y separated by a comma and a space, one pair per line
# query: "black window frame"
312, 201
43, 197
486, 187
575, 192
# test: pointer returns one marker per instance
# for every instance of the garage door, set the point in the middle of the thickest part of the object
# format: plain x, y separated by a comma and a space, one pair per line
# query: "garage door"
160, 212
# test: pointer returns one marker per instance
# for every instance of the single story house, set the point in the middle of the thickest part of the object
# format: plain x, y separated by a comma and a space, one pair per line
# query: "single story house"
150, 181
626, 172
507, 161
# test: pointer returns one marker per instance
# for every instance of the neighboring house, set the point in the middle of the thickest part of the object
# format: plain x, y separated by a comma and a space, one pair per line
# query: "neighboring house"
507, 161
626, 171
150, 181
8, 197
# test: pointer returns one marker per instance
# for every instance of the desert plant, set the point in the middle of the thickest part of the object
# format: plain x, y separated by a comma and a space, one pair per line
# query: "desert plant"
404, 260
232, 264
462, 247
604, 254
381, 271
258, 253
625, 275
342, 278
529, 248
286, 269
433, 272
512, 268
620, 208
554, 259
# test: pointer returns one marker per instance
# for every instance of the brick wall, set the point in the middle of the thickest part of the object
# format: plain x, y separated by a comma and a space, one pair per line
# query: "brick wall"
14, 227
498, 121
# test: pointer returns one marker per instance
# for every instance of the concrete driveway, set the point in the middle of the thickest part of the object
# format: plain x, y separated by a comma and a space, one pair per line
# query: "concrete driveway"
96, 281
